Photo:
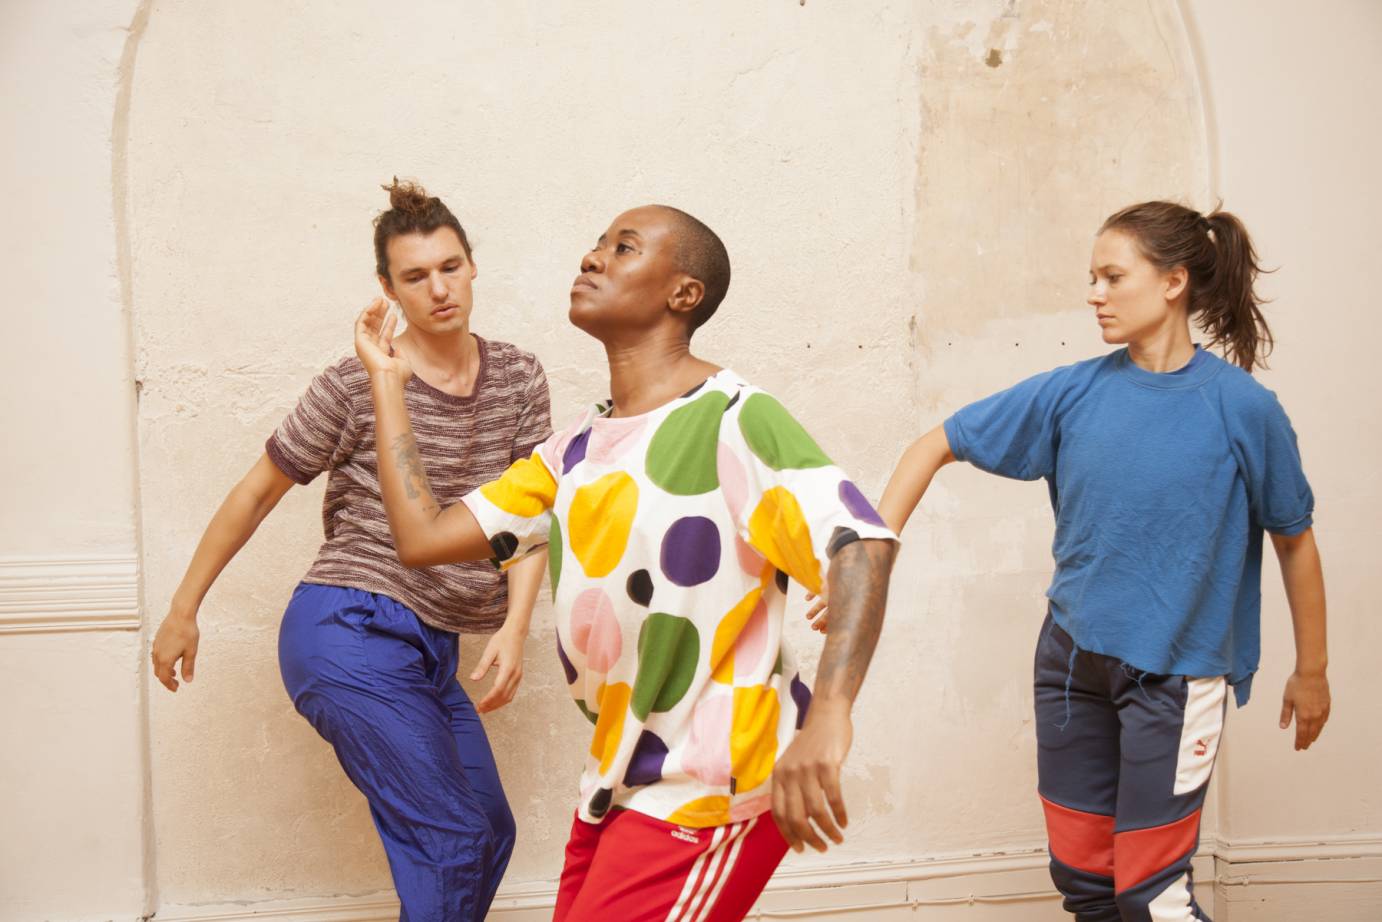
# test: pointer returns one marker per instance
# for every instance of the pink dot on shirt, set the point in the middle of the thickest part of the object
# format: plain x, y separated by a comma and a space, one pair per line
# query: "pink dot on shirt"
733, 481
595, 630
707, 746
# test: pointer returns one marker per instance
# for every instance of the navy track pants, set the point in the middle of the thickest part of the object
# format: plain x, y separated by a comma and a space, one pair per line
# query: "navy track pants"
1123, 763
380, 686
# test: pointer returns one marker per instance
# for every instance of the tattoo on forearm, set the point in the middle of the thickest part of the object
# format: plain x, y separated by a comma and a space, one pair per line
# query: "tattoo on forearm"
408, 462
858, 599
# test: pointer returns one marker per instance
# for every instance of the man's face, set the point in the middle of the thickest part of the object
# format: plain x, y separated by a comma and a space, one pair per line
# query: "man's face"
429, 277
627, 279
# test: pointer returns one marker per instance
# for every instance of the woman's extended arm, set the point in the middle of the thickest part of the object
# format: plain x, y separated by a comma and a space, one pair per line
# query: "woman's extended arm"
1307, 690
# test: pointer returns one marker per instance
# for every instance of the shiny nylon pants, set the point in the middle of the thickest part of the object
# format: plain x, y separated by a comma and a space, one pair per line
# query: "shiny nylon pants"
380, 686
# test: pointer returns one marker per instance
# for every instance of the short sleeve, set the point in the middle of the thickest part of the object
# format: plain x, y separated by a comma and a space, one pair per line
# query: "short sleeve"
1013, 433
535, 415
514, 511
789, 501
312, 438
1279, 495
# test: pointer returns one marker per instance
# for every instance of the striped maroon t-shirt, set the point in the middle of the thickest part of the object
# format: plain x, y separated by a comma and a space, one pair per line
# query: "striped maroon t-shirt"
463, 442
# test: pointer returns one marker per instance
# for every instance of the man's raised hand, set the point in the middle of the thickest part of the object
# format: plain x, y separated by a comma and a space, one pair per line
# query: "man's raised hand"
374, 330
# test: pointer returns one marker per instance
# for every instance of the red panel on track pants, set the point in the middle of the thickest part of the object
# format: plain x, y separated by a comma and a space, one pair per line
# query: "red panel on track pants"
634, 868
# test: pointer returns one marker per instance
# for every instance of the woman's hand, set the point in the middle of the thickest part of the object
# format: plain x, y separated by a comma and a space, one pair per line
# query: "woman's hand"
374, 342
504, 651
1307, 698
820, 610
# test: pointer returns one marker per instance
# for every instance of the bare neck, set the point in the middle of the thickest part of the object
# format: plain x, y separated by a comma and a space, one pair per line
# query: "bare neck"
450, 362
1168, 348
644, 376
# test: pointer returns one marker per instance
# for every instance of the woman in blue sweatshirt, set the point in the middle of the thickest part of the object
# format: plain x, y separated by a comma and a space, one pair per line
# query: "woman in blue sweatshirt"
1165, 464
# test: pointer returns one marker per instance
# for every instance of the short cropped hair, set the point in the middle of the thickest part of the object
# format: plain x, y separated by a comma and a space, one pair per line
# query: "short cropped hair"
701, 254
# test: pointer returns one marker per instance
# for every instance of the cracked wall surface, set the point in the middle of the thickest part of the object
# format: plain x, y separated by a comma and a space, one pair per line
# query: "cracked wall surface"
890, 178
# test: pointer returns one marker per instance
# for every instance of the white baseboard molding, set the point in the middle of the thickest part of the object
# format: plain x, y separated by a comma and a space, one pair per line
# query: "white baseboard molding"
1010, 886
1334, 878
61, 594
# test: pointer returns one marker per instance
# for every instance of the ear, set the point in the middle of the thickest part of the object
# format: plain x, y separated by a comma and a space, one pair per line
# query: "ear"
1177, 283
687, 295
388, 288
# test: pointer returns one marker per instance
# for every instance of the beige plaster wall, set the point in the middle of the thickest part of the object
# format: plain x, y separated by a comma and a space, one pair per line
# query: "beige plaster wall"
1298, 162
72, 768
908, 193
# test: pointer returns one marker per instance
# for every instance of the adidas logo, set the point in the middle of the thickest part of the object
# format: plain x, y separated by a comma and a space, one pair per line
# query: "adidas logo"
686, 835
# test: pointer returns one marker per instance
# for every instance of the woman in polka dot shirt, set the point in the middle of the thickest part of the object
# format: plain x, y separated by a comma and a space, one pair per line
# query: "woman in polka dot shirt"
674, 514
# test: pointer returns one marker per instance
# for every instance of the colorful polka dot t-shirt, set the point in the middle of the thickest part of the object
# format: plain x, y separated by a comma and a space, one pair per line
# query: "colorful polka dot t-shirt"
671, 536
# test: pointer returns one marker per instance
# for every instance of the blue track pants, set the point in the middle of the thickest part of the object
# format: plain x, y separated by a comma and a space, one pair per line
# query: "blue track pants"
380, 687
1123, 763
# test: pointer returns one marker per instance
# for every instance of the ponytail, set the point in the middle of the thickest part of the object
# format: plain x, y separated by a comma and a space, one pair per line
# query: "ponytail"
1231, 314
1219, 258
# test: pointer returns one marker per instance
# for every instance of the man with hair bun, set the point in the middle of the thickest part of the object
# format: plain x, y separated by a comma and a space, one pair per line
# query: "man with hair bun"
368, 647
674, 514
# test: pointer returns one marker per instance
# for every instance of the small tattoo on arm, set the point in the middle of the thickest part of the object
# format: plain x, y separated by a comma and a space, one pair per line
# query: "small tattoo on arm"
408, 461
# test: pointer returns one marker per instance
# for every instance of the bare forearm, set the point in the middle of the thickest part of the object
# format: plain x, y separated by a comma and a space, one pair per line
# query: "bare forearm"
858, 599
912, 477
424, 534
408, 498
239, 515
1303, 576
525, 579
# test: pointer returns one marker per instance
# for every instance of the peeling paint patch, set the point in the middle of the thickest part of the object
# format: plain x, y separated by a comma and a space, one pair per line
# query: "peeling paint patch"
1023, 154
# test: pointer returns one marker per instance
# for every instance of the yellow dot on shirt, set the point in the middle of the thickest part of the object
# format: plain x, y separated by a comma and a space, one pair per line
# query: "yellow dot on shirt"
727, 633
778, 530
702, 812
609, 728
599, 522
753, 736
526, 489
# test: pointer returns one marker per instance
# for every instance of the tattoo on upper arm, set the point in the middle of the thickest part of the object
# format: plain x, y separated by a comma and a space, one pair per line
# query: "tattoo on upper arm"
858, 598
408, 461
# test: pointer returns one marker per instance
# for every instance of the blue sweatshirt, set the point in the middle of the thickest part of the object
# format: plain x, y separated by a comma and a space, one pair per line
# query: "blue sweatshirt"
1162, 485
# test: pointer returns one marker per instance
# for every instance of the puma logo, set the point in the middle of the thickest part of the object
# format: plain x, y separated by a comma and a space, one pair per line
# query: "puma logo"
1201, 747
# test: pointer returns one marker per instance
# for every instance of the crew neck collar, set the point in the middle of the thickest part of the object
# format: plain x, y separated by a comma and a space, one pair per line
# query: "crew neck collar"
442, 396
606, 407
1201, 367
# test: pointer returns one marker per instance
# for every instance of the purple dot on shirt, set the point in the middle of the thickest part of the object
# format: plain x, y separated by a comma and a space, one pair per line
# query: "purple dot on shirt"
566, 666
575, 452
858, 506
645, 765
802, 696
691, 551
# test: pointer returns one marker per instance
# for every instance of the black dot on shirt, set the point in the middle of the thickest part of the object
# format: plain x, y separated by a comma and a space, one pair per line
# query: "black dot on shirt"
504, 544
839, 538
781, 579
640, 587
599, 804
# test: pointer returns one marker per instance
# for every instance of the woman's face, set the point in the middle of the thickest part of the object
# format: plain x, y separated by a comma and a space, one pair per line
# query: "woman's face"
1132, 299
